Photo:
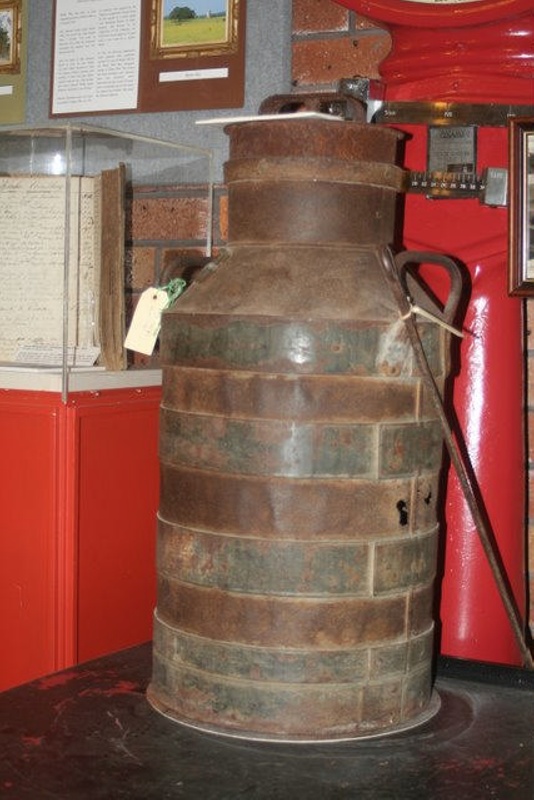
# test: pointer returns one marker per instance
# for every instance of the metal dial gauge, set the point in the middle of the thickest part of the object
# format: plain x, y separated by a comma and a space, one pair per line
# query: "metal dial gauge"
440, 13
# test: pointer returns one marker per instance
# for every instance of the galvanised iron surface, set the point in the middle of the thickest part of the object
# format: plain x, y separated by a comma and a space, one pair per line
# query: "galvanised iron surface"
300, 457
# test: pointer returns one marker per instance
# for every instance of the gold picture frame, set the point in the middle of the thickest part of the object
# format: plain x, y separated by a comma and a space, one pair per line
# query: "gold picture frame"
202, 28
10, 35
521, 207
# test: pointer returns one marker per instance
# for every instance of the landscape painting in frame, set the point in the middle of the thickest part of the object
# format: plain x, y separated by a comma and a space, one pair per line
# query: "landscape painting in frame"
194, 28
10, 29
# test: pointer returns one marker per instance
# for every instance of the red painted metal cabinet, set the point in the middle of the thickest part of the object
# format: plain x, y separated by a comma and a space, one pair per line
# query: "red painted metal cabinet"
79, 494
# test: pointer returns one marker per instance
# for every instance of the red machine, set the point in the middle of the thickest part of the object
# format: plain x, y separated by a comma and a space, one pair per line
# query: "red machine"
457, 72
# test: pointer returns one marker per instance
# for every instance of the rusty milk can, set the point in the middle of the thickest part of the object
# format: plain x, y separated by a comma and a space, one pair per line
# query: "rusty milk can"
300, 456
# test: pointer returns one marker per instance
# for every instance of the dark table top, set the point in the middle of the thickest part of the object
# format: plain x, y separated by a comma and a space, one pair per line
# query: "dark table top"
89, 732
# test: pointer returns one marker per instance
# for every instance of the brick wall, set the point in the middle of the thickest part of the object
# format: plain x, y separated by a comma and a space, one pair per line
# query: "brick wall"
330, 43
166, 238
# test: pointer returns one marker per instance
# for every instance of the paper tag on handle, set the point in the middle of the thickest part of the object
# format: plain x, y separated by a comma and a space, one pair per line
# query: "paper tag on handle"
146, 322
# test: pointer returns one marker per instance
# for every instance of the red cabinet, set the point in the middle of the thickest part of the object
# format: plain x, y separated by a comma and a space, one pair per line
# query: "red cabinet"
78, 501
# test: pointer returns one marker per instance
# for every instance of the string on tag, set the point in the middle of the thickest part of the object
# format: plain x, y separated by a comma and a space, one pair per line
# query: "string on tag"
422, 312
174, 289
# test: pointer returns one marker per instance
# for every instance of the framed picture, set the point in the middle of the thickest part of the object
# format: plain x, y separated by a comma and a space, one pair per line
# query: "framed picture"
200, 28
192, 55
521, 207
10, 35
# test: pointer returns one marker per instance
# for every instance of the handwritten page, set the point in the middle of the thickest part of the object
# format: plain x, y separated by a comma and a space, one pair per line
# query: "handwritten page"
44, 282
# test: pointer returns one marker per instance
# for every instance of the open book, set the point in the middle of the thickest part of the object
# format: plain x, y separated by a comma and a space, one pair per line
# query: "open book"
62, 269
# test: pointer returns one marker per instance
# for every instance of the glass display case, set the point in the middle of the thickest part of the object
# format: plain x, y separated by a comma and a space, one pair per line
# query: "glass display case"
69, 201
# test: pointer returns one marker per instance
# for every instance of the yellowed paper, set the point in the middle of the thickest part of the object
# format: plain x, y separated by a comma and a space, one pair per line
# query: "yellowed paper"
43, 281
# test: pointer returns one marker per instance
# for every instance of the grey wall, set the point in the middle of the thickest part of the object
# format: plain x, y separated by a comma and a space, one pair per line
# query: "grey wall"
268, 69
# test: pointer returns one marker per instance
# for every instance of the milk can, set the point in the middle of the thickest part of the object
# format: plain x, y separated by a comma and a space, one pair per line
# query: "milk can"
300, 455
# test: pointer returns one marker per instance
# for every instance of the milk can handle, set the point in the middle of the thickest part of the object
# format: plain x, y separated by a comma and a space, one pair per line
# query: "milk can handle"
402, 261
332, 103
